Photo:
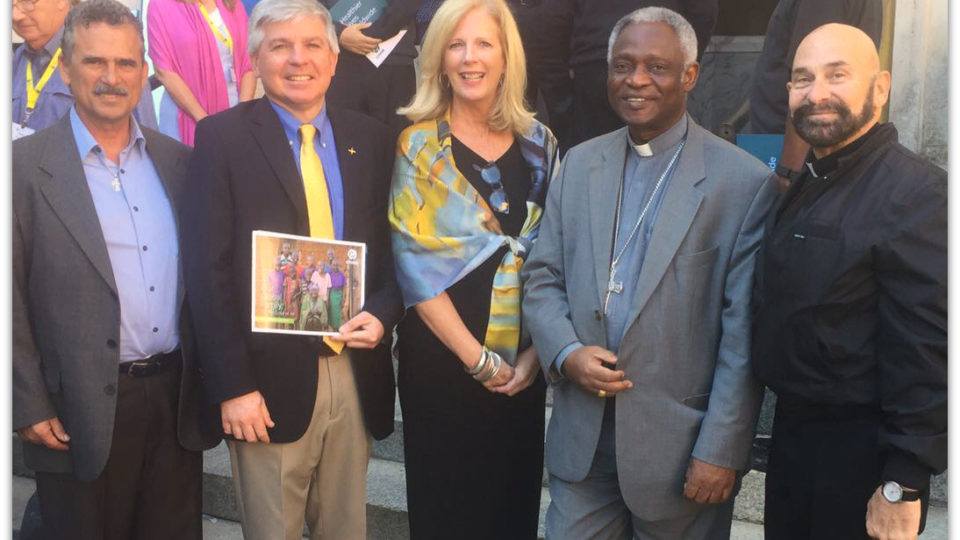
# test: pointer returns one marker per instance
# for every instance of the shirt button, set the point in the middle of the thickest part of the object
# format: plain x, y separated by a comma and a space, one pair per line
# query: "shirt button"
155, 329
152, 288
144, 248
136, 208
112, 344
109, 390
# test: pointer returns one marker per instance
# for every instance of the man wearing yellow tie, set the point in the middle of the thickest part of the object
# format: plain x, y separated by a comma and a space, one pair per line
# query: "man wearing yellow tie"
298, 412
40, 96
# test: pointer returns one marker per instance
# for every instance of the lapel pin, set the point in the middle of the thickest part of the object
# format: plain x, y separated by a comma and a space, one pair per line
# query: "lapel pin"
351, 151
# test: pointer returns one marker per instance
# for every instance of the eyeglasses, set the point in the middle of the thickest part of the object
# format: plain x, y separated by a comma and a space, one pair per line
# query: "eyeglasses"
491, 175
25, 5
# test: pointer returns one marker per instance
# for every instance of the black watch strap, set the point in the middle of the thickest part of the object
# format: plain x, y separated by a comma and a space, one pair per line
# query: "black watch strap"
786, 172
910, 496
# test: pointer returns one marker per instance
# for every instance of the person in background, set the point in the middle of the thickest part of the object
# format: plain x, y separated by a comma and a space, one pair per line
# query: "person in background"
850, 300
106, 391
40, 95
377, 91
468, 189
199, 52
791, 21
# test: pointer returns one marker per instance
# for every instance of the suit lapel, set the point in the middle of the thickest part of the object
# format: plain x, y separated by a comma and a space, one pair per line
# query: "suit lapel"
605, 175
352, 153
69, 196
680, 204
269, 134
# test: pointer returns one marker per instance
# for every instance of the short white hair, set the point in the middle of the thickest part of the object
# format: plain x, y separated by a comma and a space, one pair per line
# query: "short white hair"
270, 11
685, 33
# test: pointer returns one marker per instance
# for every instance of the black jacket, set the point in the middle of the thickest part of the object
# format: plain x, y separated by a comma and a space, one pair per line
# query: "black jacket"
850, 299
242, 177
592, 21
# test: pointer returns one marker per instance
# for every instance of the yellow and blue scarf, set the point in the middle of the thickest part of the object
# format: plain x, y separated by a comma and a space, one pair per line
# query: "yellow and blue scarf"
443, 229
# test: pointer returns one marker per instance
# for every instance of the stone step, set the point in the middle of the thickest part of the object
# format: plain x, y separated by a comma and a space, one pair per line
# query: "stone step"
386, 512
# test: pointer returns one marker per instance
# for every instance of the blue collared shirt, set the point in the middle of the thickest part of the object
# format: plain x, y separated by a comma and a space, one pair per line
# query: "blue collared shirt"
55, 98
642, 168
141, 237
326, 148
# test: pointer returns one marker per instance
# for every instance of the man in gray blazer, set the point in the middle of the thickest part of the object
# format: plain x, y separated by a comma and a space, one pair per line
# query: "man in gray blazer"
637, 295
104, 389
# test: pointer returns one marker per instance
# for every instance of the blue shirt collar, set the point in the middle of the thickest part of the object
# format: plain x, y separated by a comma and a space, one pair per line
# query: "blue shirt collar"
291, 126
85, 141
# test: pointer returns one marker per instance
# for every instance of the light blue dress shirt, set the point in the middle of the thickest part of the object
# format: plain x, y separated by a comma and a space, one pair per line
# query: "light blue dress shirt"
326, 148
141, 237
55, 98
643, 166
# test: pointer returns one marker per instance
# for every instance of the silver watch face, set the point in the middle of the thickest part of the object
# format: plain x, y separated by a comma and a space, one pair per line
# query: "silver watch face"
892, 491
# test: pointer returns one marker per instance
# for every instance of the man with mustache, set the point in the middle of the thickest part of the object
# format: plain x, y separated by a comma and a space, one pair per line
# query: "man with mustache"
40, 94
105, 391
850, 310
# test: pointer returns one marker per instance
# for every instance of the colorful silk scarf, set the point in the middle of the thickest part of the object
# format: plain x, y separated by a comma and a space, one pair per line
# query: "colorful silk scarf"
442, 228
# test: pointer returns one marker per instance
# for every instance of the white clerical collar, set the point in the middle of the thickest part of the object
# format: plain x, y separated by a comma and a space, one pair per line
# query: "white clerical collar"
666, 140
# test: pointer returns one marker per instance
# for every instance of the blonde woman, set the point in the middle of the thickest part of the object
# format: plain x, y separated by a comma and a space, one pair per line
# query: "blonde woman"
467, 196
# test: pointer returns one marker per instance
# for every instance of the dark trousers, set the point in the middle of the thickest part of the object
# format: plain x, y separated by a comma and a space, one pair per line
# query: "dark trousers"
825, 463
150, 487
592, 115
378, 92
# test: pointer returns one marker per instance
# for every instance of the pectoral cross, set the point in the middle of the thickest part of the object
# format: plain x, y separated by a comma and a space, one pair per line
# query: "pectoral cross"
115, 183
613, 287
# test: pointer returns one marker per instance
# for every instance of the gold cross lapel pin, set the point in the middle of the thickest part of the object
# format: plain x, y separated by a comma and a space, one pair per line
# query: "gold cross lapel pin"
351, 151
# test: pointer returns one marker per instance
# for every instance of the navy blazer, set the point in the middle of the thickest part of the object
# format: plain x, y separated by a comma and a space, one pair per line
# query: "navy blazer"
242, 177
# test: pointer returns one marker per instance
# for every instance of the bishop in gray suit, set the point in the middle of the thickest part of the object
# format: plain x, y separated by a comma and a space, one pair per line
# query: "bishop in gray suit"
105, 396
637, 297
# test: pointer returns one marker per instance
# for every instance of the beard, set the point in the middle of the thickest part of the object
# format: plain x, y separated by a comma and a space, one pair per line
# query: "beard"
819, 134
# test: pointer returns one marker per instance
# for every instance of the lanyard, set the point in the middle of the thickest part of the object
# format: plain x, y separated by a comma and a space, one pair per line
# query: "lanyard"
33, 92
225, 39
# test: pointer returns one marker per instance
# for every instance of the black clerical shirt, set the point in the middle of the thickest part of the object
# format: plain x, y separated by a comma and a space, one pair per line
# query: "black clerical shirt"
850, 296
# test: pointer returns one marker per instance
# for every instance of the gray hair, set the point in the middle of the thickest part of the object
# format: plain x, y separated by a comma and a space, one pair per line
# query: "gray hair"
685, 33
270, 11
90, 12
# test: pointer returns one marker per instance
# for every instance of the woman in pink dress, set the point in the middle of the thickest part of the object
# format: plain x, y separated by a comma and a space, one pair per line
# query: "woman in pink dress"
199, 52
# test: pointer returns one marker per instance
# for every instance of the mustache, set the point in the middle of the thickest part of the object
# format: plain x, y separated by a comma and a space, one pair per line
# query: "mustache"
103, 88
807, 108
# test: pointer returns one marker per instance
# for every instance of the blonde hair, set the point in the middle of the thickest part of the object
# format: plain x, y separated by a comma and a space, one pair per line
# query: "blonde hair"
433, 98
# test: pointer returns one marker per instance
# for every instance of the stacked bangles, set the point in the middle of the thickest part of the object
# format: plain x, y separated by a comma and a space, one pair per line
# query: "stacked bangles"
488, 366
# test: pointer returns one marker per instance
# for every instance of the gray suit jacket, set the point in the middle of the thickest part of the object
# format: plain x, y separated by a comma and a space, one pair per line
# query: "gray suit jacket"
66, 313
686, 347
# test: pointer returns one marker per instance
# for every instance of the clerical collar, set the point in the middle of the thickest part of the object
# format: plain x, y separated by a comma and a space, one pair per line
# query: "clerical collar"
829, 163
666, 140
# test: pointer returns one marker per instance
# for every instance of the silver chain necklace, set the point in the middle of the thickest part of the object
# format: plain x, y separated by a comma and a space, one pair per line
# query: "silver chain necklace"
614, 286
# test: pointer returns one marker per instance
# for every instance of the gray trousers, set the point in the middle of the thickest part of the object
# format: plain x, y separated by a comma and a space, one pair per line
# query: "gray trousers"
594, 507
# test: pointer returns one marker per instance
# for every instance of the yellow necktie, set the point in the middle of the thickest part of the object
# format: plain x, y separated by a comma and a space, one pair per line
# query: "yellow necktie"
315, 186
318, 198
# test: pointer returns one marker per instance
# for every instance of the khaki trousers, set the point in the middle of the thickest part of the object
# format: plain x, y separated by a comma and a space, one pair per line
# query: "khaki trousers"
321, 477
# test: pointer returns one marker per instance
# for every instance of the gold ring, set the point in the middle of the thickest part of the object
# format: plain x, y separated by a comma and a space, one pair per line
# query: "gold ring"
601, 394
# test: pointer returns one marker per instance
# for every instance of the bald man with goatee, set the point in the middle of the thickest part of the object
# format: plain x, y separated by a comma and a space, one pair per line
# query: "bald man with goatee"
850, 326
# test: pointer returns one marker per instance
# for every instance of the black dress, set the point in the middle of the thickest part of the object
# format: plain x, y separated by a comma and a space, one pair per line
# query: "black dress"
474, 459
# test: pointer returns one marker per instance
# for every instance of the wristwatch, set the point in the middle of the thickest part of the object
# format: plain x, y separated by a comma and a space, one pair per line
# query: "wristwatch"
894, 493
786, 172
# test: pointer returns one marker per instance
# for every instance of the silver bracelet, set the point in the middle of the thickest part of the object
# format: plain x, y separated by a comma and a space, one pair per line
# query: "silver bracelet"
496, 367
482, 363
492, 368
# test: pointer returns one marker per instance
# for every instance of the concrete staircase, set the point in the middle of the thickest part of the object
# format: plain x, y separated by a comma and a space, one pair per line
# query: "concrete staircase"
386, 494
